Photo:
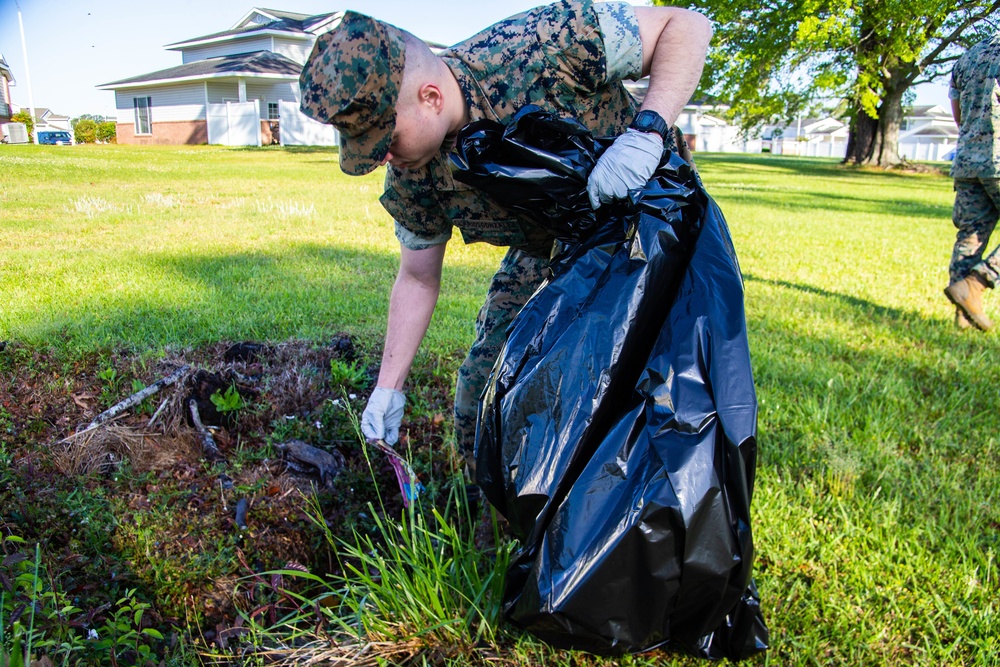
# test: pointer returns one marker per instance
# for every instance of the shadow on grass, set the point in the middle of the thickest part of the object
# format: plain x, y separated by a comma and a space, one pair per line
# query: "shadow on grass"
805, 166
303, 291
844, 379
867, 307
862, 204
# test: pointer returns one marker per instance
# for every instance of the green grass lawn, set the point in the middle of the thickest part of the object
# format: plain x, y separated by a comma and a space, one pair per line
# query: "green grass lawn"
876, 513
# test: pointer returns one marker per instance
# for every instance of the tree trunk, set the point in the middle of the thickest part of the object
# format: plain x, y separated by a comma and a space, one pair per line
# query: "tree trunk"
875, 141
885, 153
861, 139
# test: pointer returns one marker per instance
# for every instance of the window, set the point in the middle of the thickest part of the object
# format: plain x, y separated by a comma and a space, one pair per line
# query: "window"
143, 122
272, 111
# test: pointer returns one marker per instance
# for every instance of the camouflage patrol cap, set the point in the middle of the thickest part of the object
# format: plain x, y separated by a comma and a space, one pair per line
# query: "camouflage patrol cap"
352, 81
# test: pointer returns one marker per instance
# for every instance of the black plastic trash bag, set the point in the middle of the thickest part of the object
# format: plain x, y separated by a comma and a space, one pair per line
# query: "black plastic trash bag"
617, 433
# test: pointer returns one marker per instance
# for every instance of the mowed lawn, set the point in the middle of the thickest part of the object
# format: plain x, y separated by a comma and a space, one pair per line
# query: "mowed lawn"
875, 513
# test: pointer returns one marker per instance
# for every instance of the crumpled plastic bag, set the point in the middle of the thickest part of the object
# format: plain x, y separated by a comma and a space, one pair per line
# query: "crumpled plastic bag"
617, 433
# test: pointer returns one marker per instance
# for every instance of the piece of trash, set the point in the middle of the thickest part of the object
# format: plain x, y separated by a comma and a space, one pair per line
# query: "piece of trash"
617, 432
409, 486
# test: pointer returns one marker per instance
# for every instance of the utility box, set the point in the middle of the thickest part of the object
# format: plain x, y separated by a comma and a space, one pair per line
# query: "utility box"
14, 133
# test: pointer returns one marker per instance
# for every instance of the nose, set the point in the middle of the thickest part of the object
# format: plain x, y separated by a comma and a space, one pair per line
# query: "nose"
388, 158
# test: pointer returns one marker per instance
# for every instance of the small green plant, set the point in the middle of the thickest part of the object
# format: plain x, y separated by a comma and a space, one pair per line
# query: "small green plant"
110, 385
123, 636
349, 375
146, 407
229, 401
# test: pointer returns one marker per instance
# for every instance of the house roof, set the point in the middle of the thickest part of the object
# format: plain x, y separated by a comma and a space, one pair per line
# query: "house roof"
5, 69
42, 112
927, 111
261, 64
287, 23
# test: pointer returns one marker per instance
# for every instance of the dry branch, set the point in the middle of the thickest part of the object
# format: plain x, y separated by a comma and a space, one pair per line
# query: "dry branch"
208, 446
137, 398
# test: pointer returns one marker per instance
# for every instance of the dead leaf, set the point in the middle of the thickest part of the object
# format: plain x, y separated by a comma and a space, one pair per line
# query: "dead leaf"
81, 398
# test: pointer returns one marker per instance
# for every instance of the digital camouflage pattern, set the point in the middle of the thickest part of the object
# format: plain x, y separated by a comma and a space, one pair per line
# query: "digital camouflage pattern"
977, 202
976, 167
974, 83
552, 56
519, 275
352, 80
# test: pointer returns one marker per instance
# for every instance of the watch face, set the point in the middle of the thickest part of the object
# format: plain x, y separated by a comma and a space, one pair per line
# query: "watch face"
650, 121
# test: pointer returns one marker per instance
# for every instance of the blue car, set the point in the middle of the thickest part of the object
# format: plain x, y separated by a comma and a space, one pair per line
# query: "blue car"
55, 138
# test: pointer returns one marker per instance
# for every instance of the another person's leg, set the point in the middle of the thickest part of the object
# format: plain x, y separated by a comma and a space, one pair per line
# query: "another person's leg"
977, 208
513, 284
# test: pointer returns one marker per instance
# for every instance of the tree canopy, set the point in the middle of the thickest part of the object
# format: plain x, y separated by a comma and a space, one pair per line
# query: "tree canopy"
772, 60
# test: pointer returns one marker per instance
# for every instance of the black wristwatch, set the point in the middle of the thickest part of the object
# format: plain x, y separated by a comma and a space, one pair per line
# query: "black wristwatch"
650, 121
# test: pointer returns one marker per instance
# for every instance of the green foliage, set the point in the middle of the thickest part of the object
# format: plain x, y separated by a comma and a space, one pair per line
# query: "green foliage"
351, 375
229, 401
88, 129
29, 122
107, 132
422, 577
85, 131
36, 618
775, 61
111, 385
96, 118
419, 582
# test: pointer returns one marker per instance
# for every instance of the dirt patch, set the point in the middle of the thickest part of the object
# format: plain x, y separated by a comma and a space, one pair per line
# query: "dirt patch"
135, 503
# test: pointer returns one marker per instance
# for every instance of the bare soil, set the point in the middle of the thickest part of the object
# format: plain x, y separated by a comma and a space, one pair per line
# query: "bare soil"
136, 504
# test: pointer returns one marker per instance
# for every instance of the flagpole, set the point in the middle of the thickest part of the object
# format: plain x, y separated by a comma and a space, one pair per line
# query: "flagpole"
27, 75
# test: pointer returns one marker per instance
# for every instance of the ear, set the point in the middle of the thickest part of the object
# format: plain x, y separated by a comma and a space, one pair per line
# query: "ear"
430, 94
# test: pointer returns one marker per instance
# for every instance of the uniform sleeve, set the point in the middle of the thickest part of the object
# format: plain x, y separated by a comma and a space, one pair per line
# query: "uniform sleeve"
954, 93
572, 46
622, 44
420, 223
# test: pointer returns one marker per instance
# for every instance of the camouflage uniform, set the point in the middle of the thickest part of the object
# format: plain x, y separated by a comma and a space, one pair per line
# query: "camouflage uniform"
976, 167
570, 58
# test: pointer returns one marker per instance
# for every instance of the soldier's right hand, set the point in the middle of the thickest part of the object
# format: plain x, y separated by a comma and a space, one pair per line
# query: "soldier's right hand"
383, 415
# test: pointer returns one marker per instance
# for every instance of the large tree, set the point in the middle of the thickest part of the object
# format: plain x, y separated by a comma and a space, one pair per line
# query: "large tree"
773, 60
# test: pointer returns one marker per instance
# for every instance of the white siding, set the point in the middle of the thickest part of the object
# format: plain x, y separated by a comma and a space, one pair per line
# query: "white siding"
296, 50
272, 92
227, 48
220, 91
170, 103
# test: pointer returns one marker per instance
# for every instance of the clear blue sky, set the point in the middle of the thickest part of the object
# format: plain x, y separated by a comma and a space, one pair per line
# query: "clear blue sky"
75, 45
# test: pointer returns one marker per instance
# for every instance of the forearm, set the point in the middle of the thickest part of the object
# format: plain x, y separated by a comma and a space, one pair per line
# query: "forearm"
411, 305
679, 39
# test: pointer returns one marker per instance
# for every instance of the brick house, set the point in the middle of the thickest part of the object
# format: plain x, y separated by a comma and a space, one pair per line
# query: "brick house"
257, 60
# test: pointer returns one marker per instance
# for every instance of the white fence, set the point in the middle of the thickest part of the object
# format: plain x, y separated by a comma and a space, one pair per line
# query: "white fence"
234, 123
808, 148
925, 151
298, 129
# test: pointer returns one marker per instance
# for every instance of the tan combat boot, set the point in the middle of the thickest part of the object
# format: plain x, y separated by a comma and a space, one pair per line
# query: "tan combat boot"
967, 294
961, 321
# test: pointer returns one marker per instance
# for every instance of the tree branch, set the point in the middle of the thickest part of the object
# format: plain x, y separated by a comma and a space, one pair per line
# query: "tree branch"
136, 398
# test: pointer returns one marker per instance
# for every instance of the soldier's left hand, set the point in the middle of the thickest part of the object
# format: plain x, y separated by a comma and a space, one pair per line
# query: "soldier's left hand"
627, 164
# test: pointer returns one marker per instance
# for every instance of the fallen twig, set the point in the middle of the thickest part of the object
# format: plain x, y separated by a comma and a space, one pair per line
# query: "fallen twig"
156, 415
137, 398
208, 446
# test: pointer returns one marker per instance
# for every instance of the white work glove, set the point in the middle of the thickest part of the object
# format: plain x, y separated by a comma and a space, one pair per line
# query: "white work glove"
383, 415
627, 164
